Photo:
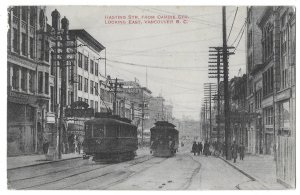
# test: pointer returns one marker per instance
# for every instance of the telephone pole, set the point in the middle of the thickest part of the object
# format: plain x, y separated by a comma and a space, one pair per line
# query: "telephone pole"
226, 53
209, 90
216, 70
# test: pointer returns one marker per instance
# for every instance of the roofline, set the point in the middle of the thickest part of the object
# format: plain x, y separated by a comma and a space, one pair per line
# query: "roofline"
89, 38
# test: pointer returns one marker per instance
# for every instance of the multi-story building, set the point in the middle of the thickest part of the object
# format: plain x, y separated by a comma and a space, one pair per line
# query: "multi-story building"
277, 97
285, 99
254, 80
28, 79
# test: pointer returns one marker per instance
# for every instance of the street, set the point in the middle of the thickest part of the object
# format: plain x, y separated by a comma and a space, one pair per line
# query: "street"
145, 172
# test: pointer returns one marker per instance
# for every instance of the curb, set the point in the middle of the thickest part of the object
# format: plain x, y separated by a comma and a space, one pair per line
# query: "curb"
244, 173
43, 163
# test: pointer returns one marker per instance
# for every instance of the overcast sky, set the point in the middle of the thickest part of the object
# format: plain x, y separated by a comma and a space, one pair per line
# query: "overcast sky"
163, 45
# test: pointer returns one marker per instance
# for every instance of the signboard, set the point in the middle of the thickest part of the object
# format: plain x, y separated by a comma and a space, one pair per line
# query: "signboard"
238, 117
21, 98
131, 90
80, 113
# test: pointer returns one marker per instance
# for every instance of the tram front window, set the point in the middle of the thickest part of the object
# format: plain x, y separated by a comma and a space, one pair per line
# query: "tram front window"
98, 130
111, 130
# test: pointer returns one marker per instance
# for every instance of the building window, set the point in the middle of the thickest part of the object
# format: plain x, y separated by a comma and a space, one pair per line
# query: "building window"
52, 99
15, 78
86, 85
52, 70
31, 81
92, 104
96, 106
47, 51
258, 99
46, 83
79, 83
31, 45
15, 40
96, 88
16, 11
268, 82
92, 87
23, 79
267, 43
268, 114
96, 69
24, 44
284, 115
86, 63
79, 59
283, 53
32, 16
24, 13
40, 83
92, 66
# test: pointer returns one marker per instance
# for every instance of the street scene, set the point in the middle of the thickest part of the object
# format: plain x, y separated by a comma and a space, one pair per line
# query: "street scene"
151, 97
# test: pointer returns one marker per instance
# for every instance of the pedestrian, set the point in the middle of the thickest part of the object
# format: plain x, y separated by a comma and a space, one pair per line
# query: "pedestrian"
194, 148
234, 151
242, 151
45, 146
206, 149
200, 147
78, 146
75, 144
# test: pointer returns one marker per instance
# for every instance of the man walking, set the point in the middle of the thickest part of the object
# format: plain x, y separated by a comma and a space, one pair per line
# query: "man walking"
242, 151
234, 150
194, 148
200, 147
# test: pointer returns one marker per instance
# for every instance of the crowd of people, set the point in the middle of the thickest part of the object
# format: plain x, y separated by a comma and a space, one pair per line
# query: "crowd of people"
217, 149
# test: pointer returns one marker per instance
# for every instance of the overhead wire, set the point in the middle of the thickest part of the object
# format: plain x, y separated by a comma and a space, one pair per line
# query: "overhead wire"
237, 8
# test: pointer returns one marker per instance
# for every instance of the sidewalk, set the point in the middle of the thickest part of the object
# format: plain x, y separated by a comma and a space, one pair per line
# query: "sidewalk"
259, 168
29, 160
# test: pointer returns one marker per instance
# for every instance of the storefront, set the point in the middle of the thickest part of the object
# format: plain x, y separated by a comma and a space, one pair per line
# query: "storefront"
25, 124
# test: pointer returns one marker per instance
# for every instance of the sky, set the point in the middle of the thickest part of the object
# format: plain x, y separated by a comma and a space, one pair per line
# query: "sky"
176, 54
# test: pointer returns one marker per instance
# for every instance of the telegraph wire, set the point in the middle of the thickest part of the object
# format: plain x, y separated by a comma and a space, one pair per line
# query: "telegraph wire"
237, 8
239, 40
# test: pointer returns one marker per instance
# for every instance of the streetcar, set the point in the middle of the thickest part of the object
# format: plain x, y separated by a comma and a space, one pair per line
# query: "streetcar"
109, 138
164, 139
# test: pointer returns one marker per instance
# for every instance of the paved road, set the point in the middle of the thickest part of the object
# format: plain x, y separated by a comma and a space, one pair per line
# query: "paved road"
145, 172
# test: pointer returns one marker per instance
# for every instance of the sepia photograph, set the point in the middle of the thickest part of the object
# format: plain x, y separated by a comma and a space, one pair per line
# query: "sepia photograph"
145, 97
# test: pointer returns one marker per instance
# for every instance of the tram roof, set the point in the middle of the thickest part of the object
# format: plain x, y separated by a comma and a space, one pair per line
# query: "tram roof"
107, 121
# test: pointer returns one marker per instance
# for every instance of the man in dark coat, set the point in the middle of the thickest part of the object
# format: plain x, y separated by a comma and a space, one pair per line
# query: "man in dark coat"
194, 148
242, 151
234, 150
206, 149
45, 146
200, 147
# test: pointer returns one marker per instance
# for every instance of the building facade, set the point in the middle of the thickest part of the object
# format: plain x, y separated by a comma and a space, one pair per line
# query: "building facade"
28, 79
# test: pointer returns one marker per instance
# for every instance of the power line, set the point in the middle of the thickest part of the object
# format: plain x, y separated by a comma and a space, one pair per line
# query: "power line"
237, 8
241, 30
239, 40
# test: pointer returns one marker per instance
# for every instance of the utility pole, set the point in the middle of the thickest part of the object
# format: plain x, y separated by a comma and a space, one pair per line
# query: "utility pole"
114, 86
212, 65
226, 53
209, 88
142, 116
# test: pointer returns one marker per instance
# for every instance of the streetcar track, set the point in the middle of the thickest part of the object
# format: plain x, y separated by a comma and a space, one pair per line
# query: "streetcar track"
189, 181
49, 173
108, 173
38, 185
131, 175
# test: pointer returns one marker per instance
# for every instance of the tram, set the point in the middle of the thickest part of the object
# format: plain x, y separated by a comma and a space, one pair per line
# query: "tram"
164, 139
109, 138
